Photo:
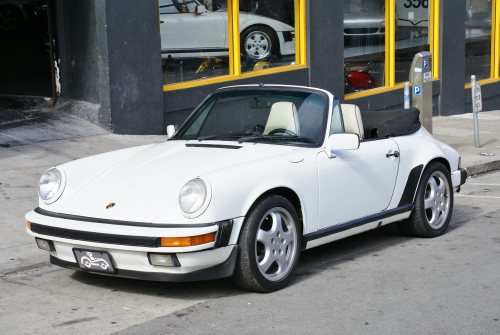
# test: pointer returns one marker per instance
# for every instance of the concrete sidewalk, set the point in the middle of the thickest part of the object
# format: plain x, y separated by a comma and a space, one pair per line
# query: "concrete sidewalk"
30, 145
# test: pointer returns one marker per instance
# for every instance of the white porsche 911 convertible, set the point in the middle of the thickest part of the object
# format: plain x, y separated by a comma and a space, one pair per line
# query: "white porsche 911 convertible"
254, 176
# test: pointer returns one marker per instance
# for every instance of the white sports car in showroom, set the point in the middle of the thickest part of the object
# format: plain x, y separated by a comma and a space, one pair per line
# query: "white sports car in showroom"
254, 176
189, 30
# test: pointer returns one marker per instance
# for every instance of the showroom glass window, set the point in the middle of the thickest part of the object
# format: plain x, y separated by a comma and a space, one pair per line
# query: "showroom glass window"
209, 41
267, 34
194, 40
478, 39
381, 37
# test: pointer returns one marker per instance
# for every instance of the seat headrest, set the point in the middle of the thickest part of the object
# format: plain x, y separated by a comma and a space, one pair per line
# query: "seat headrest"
283, 115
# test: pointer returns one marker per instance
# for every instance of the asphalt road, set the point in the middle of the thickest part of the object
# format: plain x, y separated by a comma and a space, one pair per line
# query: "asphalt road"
375, 283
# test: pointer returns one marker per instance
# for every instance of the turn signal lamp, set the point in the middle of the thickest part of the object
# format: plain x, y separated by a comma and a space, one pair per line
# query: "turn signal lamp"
459, 162
188, 241
29, 225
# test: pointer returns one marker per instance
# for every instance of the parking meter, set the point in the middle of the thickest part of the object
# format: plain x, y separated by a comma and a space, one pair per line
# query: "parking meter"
421, 79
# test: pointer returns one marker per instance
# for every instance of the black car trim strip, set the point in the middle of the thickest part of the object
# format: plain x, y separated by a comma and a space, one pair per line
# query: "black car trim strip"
221, 270
356, 223
121, 223
463, 175
136, 241
218, 146
411, 186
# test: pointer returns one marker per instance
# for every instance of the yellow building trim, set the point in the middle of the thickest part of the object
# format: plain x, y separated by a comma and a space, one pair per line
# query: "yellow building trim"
222, 79
483, 82
435, 24
300, 23
373, 91
233, 17
495, 39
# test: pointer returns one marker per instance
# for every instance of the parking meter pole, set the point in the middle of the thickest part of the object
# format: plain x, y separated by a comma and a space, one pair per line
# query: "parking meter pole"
407, 95
474, 112
421, 79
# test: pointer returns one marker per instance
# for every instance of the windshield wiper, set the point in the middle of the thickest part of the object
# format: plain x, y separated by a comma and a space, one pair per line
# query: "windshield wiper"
231, 135
274, 137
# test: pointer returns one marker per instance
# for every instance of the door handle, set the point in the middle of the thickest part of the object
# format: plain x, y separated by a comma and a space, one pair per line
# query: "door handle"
395, 154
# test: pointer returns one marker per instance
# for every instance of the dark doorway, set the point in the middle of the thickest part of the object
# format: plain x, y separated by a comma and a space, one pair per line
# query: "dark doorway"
25, 67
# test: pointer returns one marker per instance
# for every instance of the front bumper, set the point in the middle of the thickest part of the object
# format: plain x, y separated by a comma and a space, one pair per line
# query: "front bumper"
129, 244
458, 177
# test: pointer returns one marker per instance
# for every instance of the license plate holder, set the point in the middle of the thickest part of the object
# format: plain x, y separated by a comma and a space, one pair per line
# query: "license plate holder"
94, 260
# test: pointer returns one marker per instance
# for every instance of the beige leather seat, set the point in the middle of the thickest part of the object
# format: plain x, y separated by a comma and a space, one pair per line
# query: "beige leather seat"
283, 115
352, 120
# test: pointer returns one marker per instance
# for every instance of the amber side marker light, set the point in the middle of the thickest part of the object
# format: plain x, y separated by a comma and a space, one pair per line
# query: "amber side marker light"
459, 162
188, 241
29, 225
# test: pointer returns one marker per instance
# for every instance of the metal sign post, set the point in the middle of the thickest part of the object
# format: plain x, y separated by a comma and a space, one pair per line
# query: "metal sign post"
421, 79
477, 106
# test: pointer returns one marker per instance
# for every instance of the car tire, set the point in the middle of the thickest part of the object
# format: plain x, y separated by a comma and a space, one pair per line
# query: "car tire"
10, 19
259, 43
269, 245
433, 204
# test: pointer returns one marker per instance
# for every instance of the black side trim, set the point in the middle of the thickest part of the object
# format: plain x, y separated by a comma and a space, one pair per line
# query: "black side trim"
222, 270
224, 233
356, 223
219, 146
136, 241
463, 175
120, 223
287, 36
411, 186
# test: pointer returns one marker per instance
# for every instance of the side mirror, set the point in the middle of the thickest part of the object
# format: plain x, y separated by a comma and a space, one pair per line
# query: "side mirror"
170, 131
200, 10
341, 141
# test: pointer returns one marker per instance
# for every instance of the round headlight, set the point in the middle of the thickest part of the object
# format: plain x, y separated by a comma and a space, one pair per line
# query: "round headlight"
49, 184
192, 196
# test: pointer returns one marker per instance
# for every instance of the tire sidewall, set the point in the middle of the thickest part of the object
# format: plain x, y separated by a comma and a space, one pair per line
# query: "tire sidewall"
419, 201
249, 236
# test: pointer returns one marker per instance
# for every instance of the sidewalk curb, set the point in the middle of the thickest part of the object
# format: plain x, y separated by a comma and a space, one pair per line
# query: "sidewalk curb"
483, 168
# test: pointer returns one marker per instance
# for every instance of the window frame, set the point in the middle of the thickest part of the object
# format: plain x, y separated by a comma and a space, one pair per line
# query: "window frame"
234, 50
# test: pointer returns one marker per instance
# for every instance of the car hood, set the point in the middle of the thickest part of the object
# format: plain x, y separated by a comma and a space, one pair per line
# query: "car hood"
147, 183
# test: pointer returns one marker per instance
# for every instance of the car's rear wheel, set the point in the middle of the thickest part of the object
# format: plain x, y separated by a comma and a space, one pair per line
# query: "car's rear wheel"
270, 245
259, 42
433, 204
10, 18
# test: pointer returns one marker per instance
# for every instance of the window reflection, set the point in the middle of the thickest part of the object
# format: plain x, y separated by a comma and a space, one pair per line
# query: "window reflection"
477, 39
364, 48
194, 42
267, 34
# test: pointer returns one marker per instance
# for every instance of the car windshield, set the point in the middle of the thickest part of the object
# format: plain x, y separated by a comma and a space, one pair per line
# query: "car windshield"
362, 7
272, 115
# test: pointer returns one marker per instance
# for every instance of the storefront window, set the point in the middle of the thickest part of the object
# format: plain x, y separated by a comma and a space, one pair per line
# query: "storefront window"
478, 39
364, 48
206, 39
381, 37
194, 40
267, 34
412, 34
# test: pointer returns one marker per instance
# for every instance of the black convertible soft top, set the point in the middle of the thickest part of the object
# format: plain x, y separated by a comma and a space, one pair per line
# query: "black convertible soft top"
390, 122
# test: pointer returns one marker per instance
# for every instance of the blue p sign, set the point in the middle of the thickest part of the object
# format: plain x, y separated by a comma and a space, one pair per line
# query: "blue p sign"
417, 90
425, 63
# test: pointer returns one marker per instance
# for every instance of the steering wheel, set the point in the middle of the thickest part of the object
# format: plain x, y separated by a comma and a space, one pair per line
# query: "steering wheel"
283, 131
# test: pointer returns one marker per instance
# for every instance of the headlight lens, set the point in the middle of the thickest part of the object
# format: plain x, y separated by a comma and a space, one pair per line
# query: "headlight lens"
49, 183
192, 196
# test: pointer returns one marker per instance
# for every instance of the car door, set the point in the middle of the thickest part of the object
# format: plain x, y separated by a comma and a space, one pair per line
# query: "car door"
356, 183
183, 29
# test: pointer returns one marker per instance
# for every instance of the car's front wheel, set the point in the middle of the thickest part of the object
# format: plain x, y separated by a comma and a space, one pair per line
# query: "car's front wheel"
270, 245
433, 204
259, 43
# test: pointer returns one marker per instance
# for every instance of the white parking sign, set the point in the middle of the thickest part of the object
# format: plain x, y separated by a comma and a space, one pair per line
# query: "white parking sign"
427, 77
417, 90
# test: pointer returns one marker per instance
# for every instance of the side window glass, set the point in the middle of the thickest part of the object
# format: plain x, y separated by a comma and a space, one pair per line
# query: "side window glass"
167, 7
336, 124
